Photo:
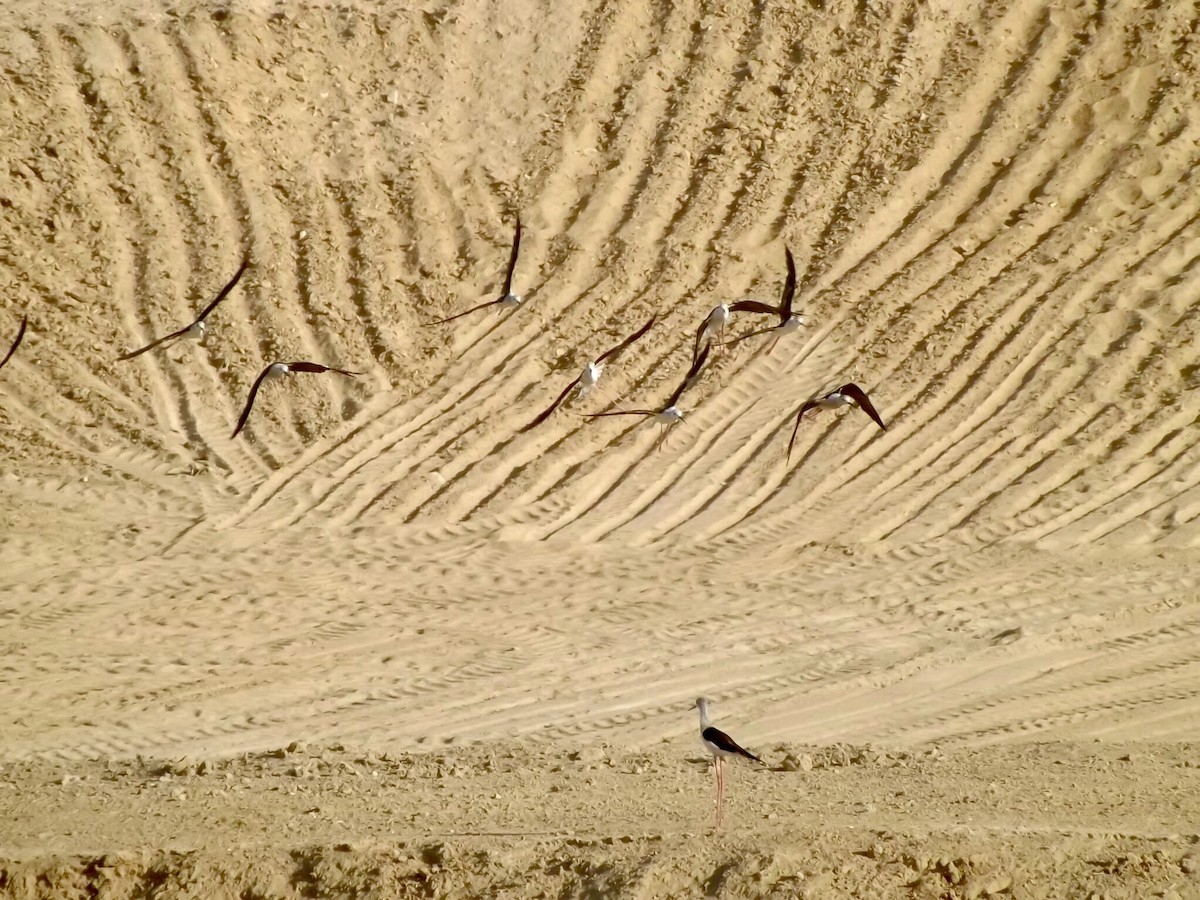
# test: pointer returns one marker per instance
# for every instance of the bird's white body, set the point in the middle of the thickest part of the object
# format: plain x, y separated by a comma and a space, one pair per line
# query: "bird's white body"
276, 370
588, 378
834, 401
669, 416
714, 327
508, 301
794, 323
195, 331
716, 321
713, 749
672, 415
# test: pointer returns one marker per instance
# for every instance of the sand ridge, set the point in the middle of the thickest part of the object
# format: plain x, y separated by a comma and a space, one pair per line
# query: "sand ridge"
990, 211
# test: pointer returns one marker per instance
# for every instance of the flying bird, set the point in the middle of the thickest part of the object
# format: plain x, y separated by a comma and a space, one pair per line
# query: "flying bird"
16, 343
669, 413
722, 747
586, 380
847, 395
278, 370
197, 328
507, 299
712, 326
788, 321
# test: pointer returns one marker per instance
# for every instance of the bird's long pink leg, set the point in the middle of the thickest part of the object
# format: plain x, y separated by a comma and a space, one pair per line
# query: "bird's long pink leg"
717, 785
662, 437
717, 763
608, 398
774, 343
721, 792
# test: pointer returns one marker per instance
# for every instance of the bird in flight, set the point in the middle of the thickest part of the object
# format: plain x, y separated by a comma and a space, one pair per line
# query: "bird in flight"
278, 370
16, 343
507, 299
788, 321
197, 328
847, 395
713, 326
587, 379
669, 413
722, 747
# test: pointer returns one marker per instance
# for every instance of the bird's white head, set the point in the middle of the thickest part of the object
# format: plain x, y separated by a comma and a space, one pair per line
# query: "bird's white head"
702, 705
196, 331
511, 301
277, 369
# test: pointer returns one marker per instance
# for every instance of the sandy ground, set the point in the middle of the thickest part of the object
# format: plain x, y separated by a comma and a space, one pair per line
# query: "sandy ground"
966, 646
526, 820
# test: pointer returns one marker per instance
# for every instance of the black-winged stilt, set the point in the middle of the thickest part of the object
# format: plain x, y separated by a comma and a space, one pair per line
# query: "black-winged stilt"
669, 413
16, 343
847, 395
507, 299
587, 379
722, 747
278, 370
788, 321
196, 329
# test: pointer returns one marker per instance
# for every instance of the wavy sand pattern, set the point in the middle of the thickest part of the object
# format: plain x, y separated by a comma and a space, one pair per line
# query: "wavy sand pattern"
993, 219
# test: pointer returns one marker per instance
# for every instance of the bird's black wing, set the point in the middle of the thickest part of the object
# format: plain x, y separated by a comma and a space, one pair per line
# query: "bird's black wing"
789, 288
614, 352
512, 260
725, 743
158, 343
200, 318
688, 379
752, 334
250, 401
811, 404
754, 306
623, 412
317, 367
224, 291
467, 313
699, 337
859, 396
553, 406
16, 343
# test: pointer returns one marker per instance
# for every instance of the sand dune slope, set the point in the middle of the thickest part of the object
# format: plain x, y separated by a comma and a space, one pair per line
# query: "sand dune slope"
989, 210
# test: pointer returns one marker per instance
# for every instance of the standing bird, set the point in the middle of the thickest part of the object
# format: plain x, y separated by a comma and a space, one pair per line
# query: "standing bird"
507, 299
194, 331
586, 380
788, 321
16, 343
847, 395
721, 746
277, 370
667, 414
713, 326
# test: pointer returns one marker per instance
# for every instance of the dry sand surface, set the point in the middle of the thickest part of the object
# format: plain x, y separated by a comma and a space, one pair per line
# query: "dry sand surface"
967, 647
